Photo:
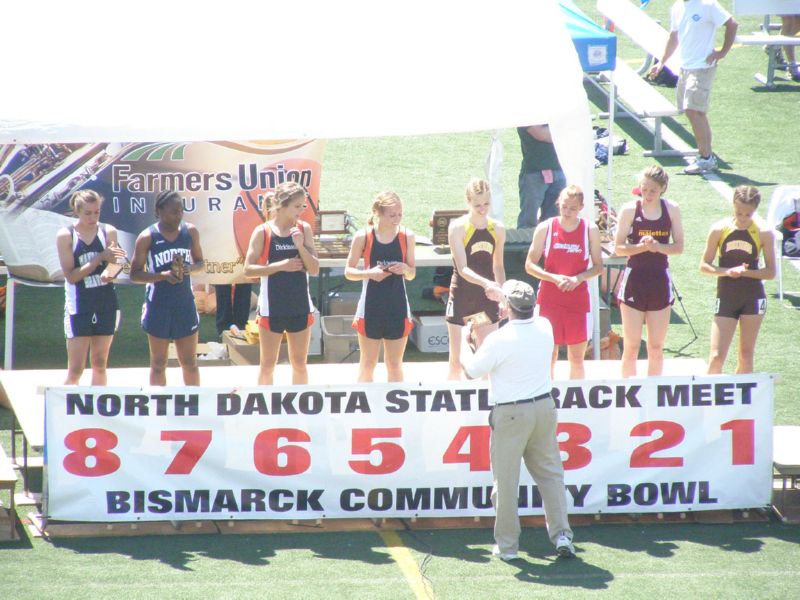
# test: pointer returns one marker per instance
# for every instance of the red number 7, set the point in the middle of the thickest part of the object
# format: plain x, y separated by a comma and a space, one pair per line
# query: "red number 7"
196, 441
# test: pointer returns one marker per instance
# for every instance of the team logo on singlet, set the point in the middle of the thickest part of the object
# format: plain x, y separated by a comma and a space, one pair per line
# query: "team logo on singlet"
482, 247
742, 245
284, 247
569, 248
162, 258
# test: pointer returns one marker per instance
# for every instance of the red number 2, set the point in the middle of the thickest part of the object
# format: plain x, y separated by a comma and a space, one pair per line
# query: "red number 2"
671, 435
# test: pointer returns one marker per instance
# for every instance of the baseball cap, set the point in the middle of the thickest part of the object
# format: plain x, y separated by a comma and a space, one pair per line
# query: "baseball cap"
519, 294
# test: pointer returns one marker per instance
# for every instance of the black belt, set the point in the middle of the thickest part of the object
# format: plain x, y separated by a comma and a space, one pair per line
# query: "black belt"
526, 400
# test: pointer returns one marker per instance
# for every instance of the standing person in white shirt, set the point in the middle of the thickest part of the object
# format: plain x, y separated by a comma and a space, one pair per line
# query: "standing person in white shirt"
693, 24
523, 418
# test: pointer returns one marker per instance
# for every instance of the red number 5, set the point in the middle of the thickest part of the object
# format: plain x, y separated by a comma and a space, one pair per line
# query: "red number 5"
392, 455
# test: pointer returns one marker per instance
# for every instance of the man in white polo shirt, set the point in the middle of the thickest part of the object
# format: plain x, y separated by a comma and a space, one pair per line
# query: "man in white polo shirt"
523, 418
693, 25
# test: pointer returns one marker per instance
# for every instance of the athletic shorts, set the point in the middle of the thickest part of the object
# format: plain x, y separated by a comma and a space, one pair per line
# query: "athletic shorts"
735, 307
569, 326
286, 324
91, 324
458, 310
383, 329
694, 88
170, 322
646, 291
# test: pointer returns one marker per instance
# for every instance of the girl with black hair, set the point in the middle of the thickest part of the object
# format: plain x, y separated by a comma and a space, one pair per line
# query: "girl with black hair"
165, 255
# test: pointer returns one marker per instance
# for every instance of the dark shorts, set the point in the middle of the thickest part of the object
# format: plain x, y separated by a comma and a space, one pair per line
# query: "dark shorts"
383, 329
91, 324
286, 324
464, 303
646, 291
170, 322
735, 307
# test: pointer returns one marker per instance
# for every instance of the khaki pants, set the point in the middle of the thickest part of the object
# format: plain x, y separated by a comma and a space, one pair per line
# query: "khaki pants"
528, 432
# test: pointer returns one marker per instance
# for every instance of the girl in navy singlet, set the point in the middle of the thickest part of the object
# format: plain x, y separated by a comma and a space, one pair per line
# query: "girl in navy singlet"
738, 242
644, 230
570, 246
165, 255
91, 313
282, 254
383, 314
476, 241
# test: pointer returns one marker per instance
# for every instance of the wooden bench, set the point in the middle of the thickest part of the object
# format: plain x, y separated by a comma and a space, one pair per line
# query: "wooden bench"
8, 481
643, 101
773, 43
641, 98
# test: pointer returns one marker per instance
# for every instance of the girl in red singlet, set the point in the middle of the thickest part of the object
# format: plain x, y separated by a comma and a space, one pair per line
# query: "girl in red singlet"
646, 226
738, 242
570, 246
282, 254
476, 241
383, 314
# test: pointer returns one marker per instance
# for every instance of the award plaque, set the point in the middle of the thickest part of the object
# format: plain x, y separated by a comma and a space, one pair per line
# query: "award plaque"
440, 222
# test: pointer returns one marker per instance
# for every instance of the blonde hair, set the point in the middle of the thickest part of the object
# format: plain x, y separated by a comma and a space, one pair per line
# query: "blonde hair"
571, 191
747, 194
284, 193
655, 173
82, 197
383, 201
477, 187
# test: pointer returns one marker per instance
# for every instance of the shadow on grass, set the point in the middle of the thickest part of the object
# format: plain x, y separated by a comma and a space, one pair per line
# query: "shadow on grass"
790, 298
663, 540
733, 180
180, 551
780, 88
537, 563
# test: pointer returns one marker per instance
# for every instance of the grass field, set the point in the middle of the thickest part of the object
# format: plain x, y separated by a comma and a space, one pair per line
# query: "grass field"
756, 135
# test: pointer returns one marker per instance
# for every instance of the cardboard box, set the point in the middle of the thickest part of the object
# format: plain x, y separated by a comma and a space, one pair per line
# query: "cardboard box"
242, 352
172, 357
339, 339
343, 303
430, 333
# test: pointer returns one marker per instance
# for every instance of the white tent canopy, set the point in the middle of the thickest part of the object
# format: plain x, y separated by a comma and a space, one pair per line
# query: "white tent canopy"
92, 71
169, 71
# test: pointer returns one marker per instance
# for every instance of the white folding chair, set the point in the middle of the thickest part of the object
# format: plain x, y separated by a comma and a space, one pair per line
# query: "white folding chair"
785, 199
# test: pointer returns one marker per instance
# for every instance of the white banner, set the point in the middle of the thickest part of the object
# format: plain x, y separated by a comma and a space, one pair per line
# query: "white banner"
669, 444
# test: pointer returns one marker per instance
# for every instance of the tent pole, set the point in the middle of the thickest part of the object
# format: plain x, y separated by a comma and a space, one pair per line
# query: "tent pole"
612, 102
8, 359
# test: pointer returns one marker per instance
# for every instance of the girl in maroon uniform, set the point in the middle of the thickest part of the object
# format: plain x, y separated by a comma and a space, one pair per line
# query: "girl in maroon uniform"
570, 246
648, 232
383, 314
